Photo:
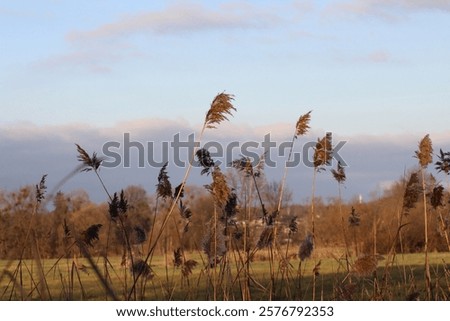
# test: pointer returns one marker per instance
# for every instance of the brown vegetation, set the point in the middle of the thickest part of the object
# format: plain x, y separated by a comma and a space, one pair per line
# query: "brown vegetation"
237, 217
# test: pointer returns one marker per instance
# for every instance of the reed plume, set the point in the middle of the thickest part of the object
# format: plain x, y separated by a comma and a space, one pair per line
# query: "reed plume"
323, 152
91, 234
164, 187
90, 163
219, 187
339, 173
205, 161
425, 152
354, 218
40, 189
437, 196
231, 208
140, 267
443, 164
412, 193
221, 108
118, 206
250, 168
302, 125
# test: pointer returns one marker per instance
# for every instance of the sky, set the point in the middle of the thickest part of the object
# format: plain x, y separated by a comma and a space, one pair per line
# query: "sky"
376, 73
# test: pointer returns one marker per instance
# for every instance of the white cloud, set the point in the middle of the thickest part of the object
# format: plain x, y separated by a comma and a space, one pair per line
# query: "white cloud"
99, 48
391, 10
182, 17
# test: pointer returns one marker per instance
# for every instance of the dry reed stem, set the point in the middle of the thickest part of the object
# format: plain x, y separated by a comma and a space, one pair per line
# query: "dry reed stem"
221, 106
425, 157
301, 128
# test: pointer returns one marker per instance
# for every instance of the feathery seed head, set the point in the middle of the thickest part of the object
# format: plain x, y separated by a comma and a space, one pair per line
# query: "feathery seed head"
443, 164
40, 189
140, 267
302, 125
219, 187
91, 234
221, 108
164, 187
323, 152
437, 196
205, 160
354, 219
339, 173
425, 152
412, 193
90, 163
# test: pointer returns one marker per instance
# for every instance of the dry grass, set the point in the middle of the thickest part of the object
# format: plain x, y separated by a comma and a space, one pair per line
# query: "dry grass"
243, 255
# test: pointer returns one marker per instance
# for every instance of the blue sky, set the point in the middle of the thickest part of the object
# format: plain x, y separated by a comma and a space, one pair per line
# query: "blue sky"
378, 68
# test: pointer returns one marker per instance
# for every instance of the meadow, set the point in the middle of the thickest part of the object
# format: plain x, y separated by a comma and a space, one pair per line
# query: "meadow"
404, 281
236, 239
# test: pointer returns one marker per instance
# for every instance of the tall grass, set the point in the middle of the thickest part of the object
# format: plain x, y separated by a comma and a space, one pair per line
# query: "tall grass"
250, 248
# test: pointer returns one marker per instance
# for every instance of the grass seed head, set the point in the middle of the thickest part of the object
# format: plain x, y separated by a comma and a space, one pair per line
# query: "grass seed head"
118, 206
339, 173
354, 218
177, 257
219, 187
179, 190
412, 193
323, 152
302, 126
140, 267
89, 163
164, 187
437, 196
205, 160
221, 108
40, 189
231, 208
91, 234
425, 152
443, 164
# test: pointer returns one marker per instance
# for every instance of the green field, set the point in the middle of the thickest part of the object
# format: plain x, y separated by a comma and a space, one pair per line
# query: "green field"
62, 280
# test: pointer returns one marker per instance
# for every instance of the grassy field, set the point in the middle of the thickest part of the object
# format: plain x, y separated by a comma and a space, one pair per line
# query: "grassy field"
329, 280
